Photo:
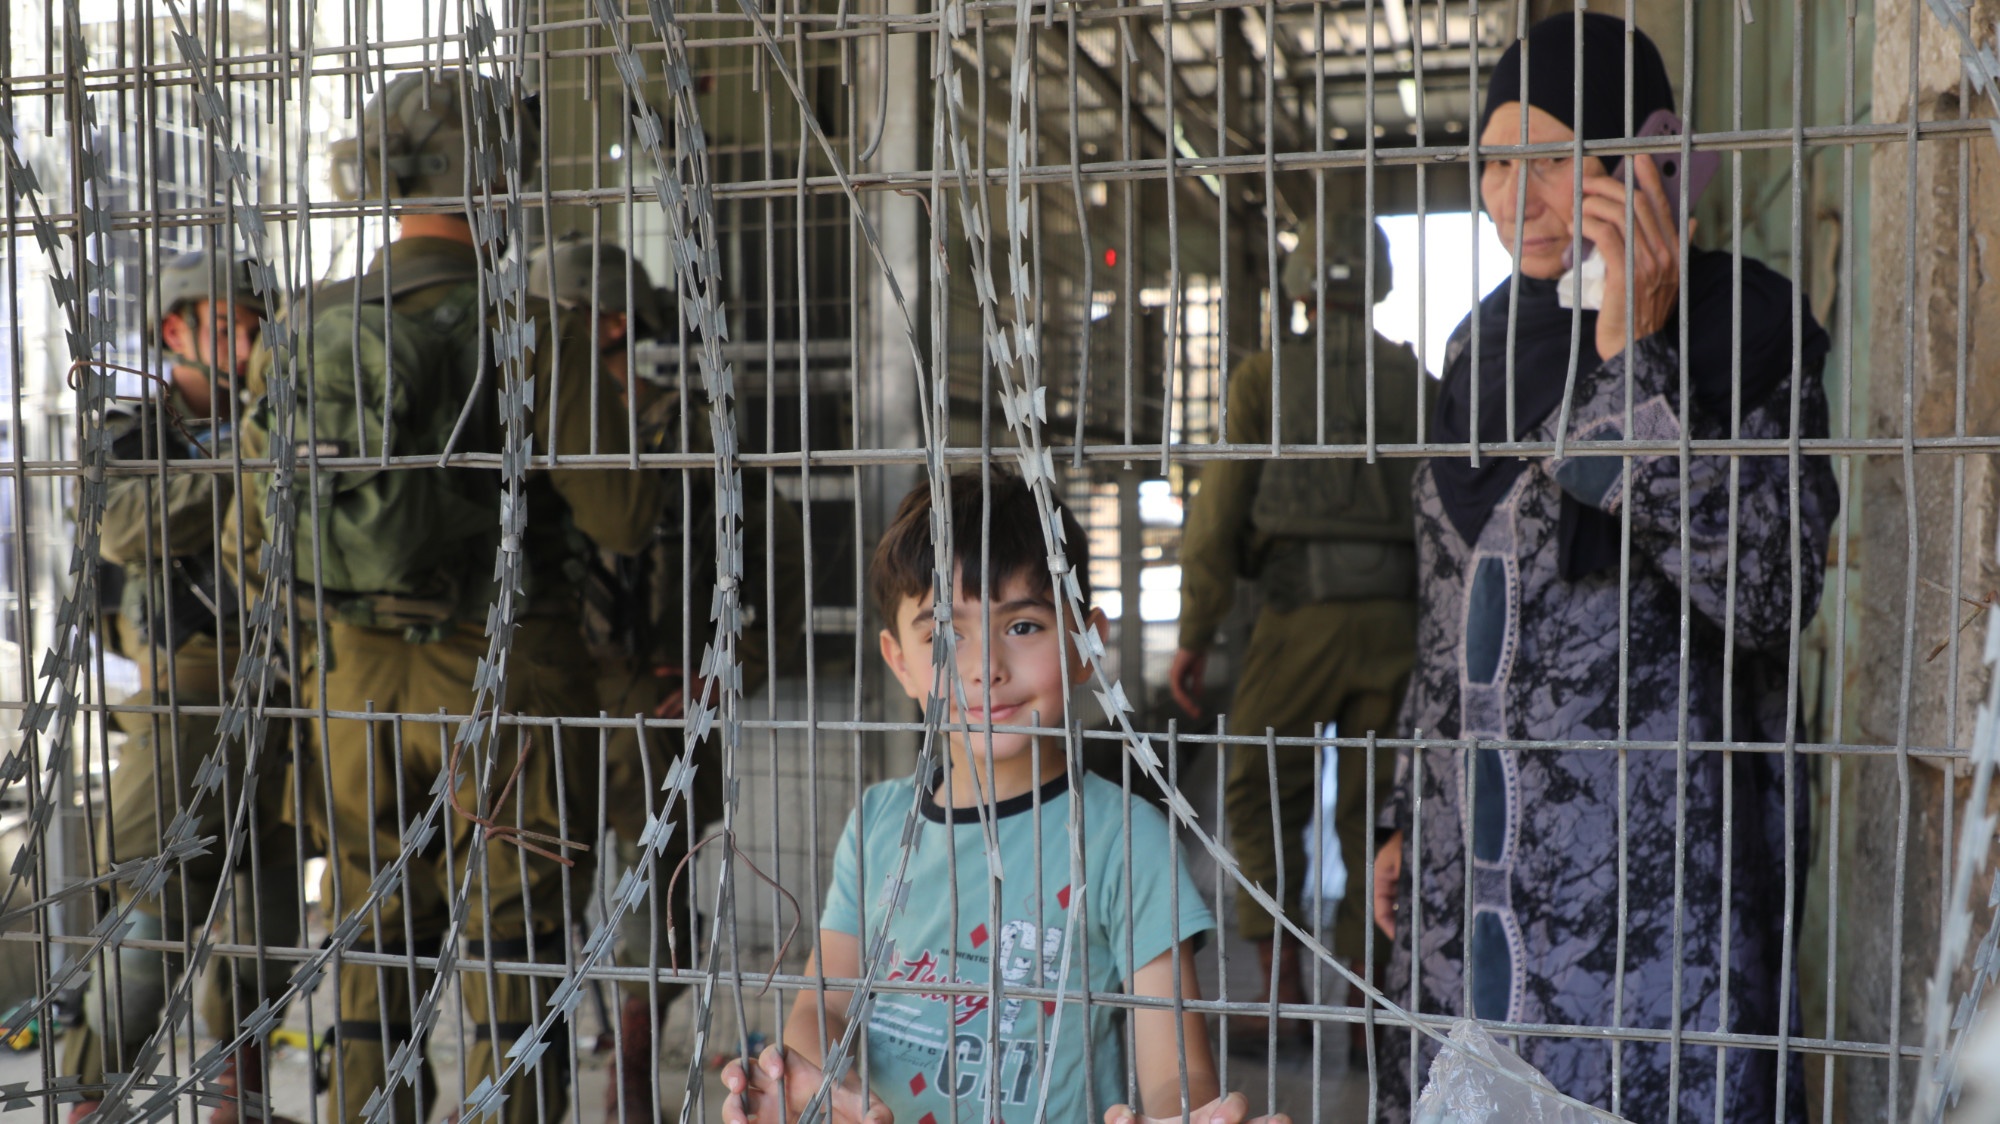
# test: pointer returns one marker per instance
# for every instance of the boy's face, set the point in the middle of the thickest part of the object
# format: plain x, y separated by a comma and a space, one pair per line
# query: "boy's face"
1028, 677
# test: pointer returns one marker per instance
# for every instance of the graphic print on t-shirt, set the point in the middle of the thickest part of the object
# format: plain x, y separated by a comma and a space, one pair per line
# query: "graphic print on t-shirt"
905, 1026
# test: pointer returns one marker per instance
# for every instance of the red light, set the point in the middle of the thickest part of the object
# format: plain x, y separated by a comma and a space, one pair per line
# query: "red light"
1111, 258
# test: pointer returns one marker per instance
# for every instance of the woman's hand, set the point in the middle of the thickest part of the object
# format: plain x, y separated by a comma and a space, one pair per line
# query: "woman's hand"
1388, 870
1232, 1109
780, 1085
1656, 254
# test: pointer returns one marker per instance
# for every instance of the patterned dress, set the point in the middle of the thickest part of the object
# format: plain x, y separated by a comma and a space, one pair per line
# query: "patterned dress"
1507, 649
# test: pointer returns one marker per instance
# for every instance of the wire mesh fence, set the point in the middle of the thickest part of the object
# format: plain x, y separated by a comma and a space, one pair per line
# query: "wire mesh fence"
551, 547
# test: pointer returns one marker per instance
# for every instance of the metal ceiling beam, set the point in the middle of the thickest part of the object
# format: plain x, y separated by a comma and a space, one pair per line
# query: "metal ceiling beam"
1052, 54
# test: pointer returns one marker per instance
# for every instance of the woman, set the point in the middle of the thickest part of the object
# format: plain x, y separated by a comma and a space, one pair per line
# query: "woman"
1524, 565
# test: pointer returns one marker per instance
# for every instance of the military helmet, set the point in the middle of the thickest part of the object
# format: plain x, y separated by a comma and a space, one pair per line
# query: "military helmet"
418, 128
1346, 257
571, 262
198, 276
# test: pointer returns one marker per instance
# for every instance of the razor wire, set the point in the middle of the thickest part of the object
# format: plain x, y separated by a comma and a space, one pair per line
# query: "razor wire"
497, 221
89, 330
684, 198
256, 672
257, 668
1025, 410
70, 647
932, 397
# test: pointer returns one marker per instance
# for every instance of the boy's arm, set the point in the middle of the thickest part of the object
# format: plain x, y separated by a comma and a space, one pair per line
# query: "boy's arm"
839, 957
1157, 1049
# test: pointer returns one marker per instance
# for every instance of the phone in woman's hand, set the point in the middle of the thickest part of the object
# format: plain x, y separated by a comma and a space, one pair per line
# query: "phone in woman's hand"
1699, 170
1701, 166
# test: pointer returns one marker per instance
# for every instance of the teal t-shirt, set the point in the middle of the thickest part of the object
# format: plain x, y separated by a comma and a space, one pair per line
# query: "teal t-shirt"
922, 1047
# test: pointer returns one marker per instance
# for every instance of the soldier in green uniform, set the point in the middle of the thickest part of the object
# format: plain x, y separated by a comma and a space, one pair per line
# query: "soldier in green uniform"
639, 632
1329, 543
399, 564
172, 611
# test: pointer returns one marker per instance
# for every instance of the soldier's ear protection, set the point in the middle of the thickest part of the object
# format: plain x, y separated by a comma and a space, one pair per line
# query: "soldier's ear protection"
395, 135
346, 176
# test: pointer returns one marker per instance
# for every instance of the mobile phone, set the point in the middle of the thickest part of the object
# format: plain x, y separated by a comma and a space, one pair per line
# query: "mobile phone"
1701, 166
1699, 170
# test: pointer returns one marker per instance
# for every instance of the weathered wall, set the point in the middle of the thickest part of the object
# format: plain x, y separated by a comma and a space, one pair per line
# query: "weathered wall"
1925, 333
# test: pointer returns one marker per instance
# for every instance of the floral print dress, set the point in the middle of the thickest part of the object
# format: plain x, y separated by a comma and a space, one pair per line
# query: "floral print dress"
1509, 650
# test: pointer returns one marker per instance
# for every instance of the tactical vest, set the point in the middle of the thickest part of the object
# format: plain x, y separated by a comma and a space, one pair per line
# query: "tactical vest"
400, 547
1339, 528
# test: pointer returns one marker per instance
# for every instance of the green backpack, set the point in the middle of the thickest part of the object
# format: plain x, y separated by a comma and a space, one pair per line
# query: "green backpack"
400, 546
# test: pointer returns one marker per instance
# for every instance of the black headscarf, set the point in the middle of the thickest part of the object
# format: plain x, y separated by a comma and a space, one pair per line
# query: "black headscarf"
1552, 84
1542, 327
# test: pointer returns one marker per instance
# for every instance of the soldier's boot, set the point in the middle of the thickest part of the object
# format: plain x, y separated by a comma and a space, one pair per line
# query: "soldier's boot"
242, 1078
628, 1099
82, 1109
1250, 1035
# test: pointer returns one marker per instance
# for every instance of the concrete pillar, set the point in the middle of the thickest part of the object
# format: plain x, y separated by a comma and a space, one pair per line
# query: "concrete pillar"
1930, 520
887, 413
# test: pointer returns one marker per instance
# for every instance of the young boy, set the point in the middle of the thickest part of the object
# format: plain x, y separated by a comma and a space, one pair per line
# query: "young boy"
1138, 909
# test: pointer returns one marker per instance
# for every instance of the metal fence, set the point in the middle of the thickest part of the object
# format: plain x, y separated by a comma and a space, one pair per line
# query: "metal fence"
897, 242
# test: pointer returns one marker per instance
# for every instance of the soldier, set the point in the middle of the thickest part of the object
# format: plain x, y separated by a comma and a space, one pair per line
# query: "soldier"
1329, 545
400, 565
638, 631
176, 617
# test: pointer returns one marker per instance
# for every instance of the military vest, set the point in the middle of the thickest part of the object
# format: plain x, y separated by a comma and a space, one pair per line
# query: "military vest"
1339, 528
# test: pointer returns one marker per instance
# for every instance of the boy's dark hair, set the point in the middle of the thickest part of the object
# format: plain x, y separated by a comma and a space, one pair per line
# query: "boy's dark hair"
905, 564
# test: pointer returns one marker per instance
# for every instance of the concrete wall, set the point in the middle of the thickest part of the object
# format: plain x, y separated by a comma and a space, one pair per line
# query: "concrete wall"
1918, 534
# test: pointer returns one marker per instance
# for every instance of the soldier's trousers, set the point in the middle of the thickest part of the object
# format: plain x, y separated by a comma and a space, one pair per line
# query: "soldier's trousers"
1343, 662
633, 773
153, 780
374, 777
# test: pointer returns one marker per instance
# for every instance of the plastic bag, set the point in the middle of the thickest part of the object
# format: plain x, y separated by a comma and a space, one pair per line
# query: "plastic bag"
1462, 1091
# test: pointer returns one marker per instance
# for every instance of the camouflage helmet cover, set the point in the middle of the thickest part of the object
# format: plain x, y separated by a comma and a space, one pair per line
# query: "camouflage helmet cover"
198, 276
1346, 260
570, 261
417, 127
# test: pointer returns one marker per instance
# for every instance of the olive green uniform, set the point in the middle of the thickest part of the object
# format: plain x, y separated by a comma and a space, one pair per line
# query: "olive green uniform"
175, 616
413, 656
1328, 541
637, 628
